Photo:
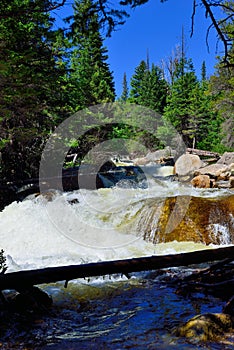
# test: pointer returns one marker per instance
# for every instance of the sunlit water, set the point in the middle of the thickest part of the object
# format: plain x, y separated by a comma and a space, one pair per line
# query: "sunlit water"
101, 313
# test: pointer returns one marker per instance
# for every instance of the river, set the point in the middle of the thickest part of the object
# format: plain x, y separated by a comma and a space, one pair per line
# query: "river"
110, 312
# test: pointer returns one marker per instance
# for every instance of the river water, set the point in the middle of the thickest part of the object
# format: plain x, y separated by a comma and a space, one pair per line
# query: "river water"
108, 312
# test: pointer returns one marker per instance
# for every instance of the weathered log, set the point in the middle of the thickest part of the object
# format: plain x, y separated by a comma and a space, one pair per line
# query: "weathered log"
25, 279
199, 152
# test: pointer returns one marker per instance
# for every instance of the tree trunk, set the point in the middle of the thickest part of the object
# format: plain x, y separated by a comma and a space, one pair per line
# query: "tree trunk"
25, 279
201, 153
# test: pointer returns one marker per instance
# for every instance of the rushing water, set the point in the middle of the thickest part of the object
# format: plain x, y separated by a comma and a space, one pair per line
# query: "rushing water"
114, 312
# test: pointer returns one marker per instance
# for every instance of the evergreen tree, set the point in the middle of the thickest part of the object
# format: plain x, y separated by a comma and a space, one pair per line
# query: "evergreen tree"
190, 110
137, 81
149, 88
90, 75
29, 74
203, 71
222, 84
124, 95
154, 90
206, 121
178, 109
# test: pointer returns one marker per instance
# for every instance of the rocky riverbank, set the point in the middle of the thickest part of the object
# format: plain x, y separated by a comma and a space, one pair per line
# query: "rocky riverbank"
201, 171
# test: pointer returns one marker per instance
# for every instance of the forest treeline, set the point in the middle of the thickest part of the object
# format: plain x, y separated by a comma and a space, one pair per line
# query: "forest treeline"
47, 73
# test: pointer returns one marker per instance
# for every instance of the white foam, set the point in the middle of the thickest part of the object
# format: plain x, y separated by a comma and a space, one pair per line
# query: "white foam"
36, 233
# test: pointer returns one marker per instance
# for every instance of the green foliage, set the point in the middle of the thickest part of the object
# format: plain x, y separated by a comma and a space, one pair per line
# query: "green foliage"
148, 87
222, 84
3, 265
124, 95
47, 74
178, 109
90, 76
29, 73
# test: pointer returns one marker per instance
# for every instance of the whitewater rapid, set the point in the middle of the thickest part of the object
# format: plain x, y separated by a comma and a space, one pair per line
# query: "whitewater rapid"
84, 226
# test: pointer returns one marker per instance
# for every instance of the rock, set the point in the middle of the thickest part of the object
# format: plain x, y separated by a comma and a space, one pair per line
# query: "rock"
231, 169
201, 181
156, 156
49, 196
29, 300
183, 219
187, 164
206, 327
222, 184
231, 182
141, 161
213, 170
227, 158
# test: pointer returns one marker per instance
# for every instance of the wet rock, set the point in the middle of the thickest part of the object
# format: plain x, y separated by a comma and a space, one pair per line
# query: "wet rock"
49, 196
205, 220
184, 219
187, 164
206, 327
29, 300
201, 181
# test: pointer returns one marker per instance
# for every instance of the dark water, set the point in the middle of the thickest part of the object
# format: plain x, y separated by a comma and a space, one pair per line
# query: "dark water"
139, 313
117, 313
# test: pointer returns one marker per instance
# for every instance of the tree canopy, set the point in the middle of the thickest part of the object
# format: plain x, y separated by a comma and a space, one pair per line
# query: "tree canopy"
48, 73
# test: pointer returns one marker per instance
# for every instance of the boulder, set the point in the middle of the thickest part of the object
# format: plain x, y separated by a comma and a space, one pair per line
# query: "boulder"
183, 219
141, 161
206, 327
227, 158
156, 156
214, 170
187, 164
201, 181
32, 299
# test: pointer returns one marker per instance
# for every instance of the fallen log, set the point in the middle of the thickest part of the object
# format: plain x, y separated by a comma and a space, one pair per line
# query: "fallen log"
202, 153
21, 280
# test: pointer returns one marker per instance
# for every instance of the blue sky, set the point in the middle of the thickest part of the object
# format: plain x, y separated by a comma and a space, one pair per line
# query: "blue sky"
156, 27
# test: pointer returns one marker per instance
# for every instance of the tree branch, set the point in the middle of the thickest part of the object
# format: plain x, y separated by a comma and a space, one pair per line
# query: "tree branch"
215, 24
193, 16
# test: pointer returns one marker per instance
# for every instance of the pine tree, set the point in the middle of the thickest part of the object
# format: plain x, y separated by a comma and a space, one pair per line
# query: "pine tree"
178, 109
29, 75
222, 84
154, 90
124, 95
203, 71
90, 74
149, 88
137, 81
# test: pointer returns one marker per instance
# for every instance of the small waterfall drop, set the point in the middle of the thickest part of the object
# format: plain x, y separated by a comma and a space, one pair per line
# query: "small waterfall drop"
117, 223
